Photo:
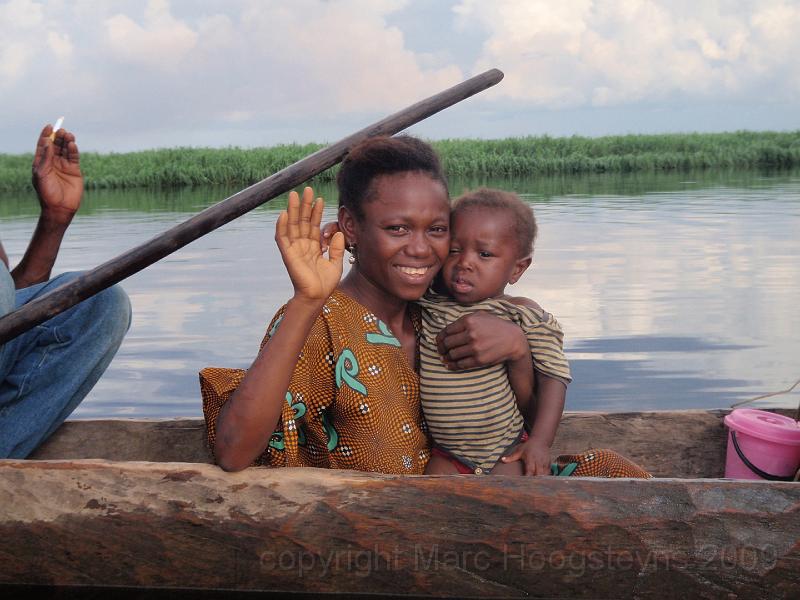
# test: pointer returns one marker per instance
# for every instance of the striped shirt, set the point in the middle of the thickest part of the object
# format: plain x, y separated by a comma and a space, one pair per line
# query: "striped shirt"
473, 414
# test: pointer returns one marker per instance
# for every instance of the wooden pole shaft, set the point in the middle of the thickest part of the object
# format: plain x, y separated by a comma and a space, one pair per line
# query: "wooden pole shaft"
144, 255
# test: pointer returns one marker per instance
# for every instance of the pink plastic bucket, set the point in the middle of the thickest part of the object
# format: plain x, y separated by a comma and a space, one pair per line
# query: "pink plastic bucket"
762, 445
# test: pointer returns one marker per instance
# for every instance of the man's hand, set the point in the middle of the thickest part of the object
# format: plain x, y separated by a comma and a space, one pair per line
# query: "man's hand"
534, 454
59, 185
57, 175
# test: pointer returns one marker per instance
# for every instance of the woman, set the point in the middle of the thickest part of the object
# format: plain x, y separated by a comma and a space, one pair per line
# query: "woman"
335, 384
353, 393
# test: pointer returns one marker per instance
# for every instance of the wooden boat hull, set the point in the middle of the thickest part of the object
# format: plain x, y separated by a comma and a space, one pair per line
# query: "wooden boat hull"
685, 444
191, 525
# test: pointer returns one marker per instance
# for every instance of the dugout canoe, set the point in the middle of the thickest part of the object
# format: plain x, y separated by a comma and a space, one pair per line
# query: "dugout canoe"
127, 506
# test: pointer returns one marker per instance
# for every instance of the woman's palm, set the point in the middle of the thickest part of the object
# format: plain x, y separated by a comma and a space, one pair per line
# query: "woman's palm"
297, 233
312, 274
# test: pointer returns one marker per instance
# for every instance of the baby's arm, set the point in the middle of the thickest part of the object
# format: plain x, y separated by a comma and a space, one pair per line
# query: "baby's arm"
520, 372
523, 383
541, 399
545, 414
547, 410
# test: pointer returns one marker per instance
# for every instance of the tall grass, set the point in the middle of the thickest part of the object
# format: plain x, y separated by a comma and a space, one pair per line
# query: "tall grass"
527, 156
621, 154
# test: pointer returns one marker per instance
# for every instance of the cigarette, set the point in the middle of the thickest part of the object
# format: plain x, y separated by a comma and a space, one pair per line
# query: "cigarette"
56, 127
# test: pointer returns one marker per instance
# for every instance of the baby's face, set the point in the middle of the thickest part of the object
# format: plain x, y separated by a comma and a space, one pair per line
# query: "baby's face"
483, 255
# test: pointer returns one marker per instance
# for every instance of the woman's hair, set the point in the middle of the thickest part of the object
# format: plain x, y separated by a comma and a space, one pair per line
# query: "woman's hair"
383, 156
521, 213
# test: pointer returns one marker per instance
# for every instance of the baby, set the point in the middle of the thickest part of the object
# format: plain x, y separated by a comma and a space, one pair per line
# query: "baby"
477, 416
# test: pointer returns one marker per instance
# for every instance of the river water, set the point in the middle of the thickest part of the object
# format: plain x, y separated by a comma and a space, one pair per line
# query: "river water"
674, 290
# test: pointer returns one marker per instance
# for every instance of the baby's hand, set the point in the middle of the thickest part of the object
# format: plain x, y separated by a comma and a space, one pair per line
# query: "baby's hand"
534, 454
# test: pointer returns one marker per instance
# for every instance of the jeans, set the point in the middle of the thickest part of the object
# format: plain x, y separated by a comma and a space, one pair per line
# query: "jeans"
47, 371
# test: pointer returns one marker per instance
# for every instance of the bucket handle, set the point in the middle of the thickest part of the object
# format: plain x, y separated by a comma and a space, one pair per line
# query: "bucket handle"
755, 469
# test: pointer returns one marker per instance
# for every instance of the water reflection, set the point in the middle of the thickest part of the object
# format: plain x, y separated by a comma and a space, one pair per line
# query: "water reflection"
650, 371
675, 291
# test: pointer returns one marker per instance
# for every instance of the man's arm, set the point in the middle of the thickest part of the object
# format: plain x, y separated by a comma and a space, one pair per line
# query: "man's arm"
59, 185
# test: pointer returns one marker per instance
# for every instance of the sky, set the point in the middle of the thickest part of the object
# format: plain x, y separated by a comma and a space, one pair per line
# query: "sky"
130, 75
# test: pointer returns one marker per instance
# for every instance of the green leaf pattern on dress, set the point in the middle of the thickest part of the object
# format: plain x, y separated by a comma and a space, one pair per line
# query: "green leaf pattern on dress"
333, 435
384, 337
346, 371
299, 409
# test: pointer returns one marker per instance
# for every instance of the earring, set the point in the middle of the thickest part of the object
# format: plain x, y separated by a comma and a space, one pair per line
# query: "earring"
352, 250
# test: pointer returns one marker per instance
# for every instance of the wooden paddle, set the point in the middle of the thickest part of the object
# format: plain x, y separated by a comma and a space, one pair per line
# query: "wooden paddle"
140, 257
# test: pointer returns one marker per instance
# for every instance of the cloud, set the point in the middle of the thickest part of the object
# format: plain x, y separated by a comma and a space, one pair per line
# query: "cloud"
60, 45
129, 74
332, 57
309, 59
25, 15
615, 52
161, 43
18, 44
147, 67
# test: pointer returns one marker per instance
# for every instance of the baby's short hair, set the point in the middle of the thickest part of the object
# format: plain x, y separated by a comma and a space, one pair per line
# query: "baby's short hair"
521, 213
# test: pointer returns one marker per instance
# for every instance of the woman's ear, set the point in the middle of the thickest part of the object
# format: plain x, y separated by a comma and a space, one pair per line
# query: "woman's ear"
348, 226
519, 268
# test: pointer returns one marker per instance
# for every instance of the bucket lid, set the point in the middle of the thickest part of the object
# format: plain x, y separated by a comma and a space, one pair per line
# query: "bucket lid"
765, 425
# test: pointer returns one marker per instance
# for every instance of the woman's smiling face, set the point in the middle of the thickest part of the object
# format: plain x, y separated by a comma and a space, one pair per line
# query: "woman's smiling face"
403, 238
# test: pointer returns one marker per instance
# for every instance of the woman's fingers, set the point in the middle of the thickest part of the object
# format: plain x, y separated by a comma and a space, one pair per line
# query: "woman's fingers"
304, 216
480, 339
306, 210
299, 224
448, 342
458, 351
282, 230
293, 212
336, 253
316, 219
462, 364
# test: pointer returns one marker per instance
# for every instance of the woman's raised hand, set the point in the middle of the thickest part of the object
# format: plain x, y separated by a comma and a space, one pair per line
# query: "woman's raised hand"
314, 276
